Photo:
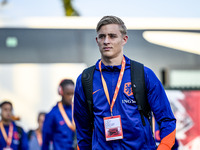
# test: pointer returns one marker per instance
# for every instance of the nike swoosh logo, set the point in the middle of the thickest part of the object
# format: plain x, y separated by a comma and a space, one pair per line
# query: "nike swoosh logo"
96, 91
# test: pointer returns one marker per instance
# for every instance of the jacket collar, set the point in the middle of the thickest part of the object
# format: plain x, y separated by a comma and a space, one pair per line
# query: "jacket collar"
113, 68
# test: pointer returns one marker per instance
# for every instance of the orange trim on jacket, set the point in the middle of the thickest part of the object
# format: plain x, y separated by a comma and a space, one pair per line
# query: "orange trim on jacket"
167, 142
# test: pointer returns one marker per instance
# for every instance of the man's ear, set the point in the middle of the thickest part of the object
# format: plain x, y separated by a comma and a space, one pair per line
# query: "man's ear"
125, 39
96, 40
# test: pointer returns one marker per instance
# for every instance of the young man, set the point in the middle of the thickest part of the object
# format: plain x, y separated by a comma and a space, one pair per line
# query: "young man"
35, 136
12, 137
117, 120
58, 125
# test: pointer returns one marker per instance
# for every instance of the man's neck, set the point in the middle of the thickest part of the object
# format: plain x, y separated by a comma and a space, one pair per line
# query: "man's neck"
64, 103
5, 122
39, 130
112, 61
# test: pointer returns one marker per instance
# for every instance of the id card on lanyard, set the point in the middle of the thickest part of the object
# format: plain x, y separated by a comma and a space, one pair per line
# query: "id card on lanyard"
7, 138
113, 128
112, 124
7, 148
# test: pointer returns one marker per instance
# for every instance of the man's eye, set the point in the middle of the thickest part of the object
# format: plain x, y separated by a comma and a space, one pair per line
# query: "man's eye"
113, 36
101, 36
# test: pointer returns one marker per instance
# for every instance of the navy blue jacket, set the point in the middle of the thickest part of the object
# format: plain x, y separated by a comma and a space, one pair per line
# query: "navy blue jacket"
17, 142
136, 136
56, 130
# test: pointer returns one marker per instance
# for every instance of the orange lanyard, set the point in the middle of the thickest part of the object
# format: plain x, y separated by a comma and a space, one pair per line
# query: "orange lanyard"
70, 124
117, 86
153, 126
39, 137
8, 138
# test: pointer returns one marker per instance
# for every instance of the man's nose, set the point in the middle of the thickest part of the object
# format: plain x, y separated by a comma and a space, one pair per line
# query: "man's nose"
106, 40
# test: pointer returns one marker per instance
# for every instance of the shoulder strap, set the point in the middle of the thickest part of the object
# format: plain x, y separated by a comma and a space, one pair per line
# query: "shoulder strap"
20, 132
138, 86
87, 83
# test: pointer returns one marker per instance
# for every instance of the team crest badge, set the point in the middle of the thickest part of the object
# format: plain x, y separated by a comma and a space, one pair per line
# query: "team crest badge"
62, 122
128, 89
16, 135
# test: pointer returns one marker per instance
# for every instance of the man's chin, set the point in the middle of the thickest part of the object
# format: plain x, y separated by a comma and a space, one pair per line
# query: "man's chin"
7, 119
107, 55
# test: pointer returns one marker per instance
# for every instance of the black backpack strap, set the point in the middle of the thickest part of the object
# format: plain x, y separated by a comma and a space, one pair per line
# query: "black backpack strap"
20, 132
87, 83
138, 86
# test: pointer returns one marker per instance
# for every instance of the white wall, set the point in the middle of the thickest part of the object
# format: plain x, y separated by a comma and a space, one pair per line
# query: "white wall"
33, 87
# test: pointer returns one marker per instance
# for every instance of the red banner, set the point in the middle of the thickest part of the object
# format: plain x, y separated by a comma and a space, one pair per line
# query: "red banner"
186, 107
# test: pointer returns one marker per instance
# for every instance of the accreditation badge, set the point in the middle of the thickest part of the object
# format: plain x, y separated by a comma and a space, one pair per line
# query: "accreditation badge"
113, 128
7, 148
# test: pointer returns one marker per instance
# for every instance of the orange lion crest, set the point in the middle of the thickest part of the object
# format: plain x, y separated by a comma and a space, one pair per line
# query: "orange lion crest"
128, 89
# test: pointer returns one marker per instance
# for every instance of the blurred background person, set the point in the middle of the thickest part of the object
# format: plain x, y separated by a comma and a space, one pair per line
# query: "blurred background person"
12, 137
59, 126
35, 136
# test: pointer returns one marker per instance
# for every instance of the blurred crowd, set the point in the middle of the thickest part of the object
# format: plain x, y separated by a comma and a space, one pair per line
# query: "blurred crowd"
56, 129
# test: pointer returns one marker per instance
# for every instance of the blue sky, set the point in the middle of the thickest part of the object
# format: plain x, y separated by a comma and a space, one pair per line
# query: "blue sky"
140, 8
98, 8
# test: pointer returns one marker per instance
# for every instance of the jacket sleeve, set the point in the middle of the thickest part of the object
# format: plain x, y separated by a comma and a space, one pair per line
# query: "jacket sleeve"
82, 118
161, 108
47, 131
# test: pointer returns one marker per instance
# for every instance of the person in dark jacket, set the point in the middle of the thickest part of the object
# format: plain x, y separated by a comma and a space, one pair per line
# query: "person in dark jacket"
117, 120
12, 137
59, 126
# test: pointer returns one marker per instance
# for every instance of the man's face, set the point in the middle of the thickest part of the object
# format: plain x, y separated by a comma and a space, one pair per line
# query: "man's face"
68, 93
111, 41
41, 121
6, 112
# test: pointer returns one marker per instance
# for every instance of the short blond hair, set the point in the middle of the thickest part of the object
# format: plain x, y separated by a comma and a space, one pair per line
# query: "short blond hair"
112, 20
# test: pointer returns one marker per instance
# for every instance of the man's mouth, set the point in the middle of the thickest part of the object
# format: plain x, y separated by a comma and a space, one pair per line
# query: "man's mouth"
107, 48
